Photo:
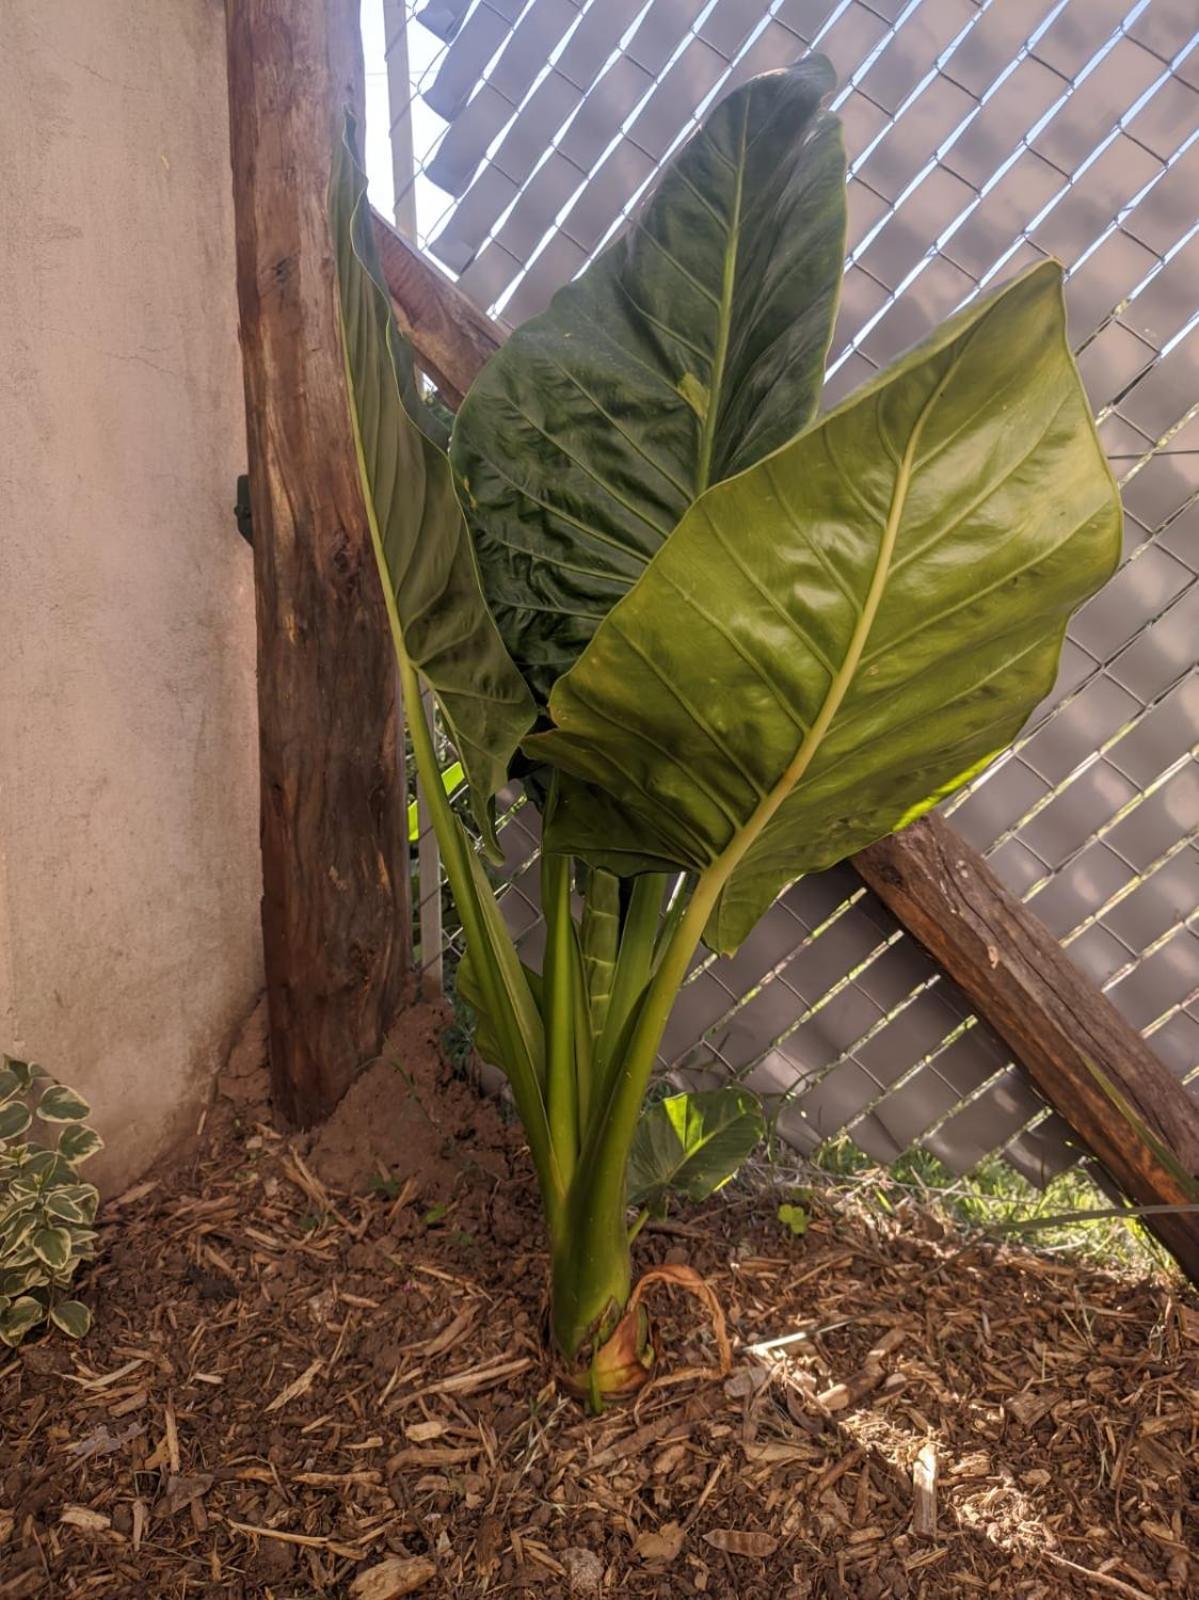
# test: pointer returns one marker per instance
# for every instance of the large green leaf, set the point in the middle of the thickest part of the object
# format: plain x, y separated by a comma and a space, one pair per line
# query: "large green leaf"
689, 349
692, 1144
422, 546
837, 637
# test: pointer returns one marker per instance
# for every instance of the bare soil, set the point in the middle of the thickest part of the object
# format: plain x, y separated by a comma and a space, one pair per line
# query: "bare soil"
317, 1369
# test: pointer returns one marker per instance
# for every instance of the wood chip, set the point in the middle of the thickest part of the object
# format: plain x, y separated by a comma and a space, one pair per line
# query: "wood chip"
738, 1542
182, 1491
398, 1575
1028, 1408
422, 1432
924, 1492
83, 1517
662, 1544
294, 1390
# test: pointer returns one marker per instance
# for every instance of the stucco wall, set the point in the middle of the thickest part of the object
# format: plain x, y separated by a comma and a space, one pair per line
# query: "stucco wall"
129, 875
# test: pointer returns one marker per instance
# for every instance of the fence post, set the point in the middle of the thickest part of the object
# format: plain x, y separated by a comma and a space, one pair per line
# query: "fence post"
334, 825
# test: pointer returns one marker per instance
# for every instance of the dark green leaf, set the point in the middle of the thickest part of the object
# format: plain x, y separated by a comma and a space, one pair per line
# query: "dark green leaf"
52, 1246
46, 1168
431, 583
10, 1084
77, 1143
26, 1072
17, 1229
15, 1117
692, 1144
17, 1320
692, 347
845, 633
59, 1104
72, 1317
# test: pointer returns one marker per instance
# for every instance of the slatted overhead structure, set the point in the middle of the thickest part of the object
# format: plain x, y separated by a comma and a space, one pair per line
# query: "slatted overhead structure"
982, 135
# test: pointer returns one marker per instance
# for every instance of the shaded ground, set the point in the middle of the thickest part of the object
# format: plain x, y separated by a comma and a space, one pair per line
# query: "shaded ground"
312, 1357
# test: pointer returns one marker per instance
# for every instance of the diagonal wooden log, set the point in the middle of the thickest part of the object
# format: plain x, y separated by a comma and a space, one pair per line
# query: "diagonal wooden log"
1084, 1057
333, 811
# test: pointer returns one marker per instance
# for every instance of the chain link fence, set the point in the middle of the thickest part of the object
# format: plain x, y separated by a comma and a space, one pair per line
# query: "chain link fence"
982, 135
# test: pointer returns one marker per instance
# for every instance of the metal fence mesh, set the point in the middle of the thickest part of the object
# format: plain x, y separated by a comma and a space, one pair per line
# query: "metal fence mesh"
982, 134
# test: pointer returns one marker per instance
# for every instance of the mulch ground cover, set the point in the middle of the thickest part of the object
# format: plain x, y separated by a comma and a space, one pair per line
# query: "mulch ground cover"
317, 1369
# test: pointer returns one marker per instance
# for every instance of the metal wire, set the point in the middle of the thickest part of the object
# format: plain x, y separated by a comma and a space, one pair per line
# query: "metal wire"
982, 134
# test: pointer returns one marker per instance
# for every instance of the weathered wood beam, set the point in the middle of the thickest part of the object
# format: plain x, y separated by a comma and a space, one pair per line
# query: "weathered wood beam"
450, 335
1064, 1031
1075, 1046
333, 817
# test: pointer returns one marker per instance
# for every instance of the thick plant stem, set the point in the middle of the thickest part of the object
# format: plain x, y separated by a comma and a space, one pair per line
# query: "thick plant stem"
560, 998
596, 1207
591, 1272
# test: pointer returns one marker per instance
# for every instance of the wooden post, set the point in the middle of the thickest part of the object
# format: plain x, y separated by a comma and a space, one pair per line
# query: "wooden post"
334, 826
1064, 1031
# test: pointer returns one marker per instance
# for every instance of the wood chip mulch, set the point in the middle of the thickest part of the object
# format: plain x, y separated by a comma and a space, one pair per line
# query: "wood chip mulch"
294, 1390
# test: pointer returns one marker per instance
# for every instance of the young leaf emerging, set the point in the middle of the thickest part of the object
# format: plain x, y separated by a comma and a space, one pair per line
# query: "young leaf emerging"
692, 1144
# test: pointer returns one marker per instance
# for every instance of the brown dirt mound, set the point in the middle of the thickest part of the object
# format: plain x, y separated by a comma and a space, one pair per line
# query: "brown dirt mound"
317, 1371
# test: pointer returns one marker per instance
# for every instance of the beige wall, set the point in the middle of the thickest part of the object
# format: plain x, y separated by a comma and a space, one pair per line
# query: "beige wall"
129, 875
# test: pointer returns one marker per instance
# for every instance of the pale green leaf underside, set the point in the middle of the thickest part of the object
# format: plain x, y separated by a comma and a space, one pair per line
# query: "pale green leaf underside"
691, 347
421, 542
692, 1144
599, 942
837, 637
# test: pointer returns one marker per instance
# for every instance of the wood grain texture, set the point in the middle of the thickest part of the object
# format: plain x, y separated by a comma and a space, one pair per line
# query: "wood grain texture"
1057, 1023
1065, 1032
333, 814
451, 336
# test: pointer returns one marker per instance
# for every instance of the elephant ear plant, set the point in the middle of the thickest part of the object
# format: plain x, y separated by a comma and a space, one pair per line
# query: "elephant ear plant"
726, 641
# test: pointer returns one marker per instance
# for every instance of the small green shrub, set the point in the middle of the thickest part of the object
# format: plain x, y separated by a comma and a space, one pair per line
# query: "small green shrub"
46, 1214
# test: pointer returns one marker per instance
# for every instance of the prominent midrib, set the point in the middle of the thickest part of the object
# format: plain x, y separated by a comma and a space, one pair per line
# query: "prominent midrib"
703, 468
717, 875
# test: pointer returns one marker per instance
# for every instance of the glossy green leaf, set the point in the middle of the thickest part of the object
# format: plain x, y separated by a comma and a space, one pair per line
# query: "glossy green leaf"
439, 617
19, 1318
44, 1168
19, 1224
72, 1317
15, 1117
27, 1073
838, 637
76, 1205
10, 1083
692, 1144
52, 1246
686, 351
59, 1104
77, 1143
